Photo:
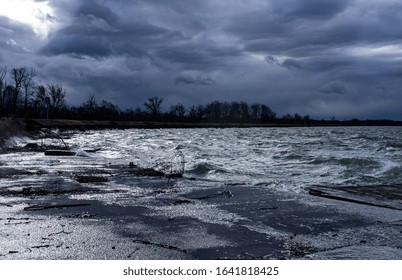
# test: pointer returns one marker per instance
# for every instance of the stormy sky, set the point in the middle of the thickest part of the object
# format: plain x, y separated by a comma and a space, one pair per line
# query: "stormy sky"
338, 58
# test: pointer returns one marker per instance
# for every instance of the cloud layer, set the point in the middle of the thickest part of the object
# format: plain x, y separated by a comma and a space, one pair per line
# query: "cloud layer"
323, 58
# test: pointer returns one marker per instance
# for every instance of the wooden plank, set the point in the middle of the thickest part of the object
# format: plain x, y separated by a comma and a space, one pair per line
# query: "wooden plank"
385, 196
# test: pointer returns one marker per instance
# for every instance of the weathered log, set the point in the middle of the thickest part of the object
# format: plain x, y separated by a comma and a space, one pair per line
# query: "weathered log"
90, 178
60, 153
379, 196
43, 207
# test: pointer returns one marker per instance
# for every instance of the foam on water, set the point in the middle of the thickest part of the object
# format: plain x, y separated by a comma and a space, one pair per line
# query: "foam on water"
287, 158
291, 157
16, 142
386, 166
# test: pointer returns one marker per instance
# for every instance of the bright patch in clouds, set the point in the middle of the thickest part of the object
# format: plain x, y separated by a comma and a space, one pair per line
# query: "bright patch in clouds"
38, 15
393, 51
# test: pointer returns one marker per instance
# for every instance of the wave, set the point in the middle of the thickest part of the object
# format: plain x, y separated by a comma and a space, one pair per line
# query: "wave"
395, 145
17, 141
82, 153
360, 162
386, 167
204, 168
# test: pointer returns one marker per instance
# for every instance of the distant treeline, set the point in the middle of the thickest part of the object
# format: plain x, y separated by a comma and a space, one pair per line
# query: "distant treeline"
21, 96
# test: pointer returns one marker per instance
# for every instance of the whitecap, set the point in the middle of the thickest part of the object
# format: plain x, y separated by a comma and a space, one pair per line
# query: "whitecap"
386, 165
82, 153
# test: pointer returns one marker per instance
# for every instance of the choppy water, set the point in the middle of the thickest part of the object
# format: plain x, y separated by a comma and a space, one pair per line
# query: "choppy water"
286, 158
262, 159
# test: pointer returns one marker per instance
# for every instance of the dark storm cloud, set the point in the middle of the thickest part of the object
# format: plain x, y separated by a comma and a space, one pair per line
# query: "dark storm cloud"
313, 8
264, 30
194, 80
92, 8
334, 87
290, 64
96, 31
315, 57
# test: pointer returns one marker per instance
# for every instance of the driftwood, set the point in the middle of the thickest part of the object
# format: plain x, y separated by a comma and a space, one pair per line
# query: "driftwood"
44, 191
380, 195
60, 153
228, 194
90, 178
92, 150
59, 206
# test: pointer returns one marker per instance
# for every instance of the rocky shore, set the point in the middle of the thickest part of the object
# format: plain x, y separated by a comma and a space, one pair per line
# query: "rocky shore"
72, 207
54, 216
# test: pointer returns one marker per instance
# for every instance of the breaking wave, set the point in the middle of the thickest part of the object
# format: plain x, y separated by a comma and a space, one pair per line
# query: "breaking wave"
290, 159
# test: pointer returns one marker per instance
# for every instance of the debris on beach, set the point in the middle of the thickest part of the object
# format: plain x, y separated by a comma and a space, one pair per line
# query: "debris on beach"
90, 178
46, 190
172, 167
53, 206
225, 193
385, 196
147, 172
60, 153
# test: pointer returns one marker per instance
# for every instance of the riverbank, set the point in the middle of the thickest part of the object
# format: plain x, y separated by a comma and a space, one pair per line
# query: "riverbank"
97, 205
53, 216
16, 126
10, 127
94, 124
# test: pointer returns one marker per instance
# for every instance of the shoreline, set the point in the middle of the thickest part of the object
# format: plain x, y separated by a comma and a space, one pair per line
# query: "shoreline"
83, 208
65, 124
34, 124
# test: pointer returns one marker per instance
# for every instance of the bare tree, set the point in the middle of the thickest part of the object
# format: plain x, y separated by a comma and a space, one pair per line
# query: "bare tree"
267, 114
27, 85
178, 111
244, 111
3, 73
41, 94
19, 75
256, 112
8, 96
153, 105
90, 107
39, 102
57, 97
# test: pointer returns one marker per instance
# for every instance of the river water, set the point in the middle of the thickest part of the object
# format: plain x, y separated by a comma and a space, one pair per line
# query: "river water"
289, 159
250, 163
